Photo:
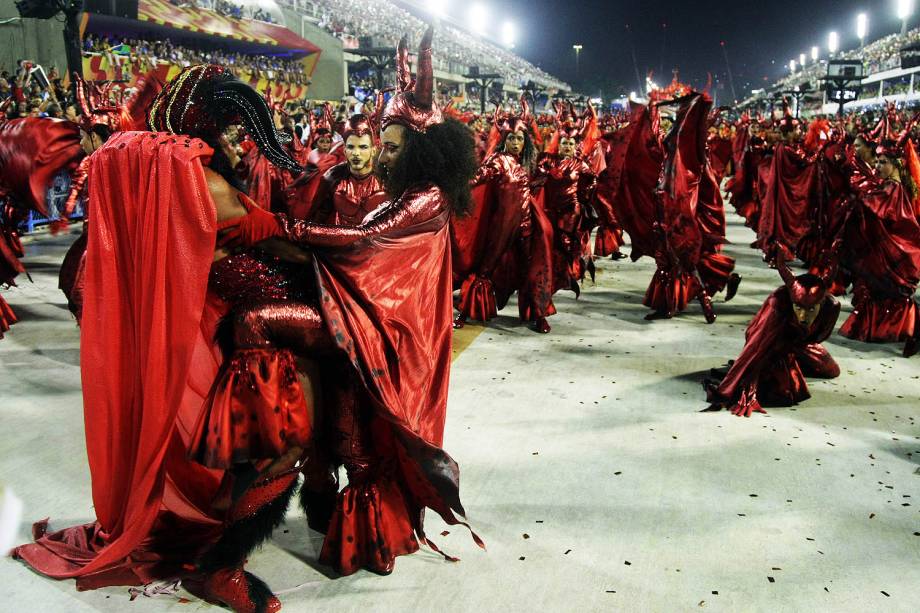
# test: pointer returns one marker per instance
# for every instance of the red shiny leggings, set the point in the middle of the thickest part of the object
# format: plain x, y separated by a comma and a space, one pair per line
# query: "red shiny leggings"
285, 325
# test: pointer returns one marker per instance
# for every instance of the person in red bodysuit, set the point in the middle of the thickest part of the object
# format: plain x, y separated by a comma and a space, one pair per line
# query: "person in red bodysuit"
882, 249
347, 192
782, 347
568, 186
218, 444
505, 245
385, 301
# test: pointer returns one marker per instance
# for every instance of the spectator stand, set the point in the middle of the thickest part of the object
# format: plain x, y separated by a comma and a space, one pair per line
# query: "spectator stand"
165, 38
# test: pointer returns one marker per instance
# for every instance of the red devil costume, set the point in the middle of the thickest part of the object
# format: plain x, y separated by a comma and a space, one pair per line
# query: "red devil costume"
338, 196
505, 244
149, 362
781, 348
568, 184
882, 251
385, 301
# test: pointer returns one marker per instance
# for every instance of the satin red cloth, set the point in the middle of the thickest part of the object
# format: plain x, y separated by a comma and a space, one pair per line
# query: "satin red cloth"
768, 370
787, 199
385, 295
34, 150
343, 199
147, 363
882, 250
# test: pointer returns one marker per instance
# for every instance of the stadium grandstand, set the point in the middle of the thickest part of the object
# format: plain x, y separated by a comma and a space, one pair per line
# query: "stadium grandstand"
891, 75
298, 49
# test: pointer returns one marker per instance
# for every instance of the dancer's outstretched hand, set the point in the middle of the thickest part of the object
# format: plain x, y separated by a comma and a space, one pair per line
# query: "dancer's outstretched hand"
747, 408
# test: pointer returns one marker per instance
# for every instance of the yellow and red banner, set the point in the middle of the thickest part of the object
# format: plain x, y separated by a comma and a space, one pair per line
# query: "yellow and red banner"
201, 20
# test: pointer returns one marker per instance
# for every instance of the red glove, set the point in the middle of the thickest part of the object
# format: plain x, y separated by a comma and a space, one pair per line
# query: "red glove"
255, 227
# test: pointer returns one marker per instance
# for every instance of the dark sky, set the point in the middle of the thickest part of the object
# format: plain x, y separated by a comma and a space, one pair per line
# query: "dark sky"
756, 34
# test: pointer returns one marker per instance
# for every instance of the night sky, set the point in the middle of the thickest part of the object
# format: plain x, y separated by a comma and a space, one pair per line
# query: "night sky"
756, 35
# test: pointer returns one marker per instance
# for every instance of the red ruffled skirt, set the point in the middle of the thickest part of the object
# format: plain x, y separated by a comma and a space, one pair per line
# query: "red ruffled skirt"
477, 299
256, 410
715, 269
885, 320
670, 293
371, 526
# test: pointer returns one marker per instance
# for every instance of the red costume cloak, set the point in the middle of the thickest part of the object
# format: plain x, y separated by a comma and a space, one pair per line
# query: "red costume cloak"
778, 353
385, 294
147, 362
882, 239
786, 200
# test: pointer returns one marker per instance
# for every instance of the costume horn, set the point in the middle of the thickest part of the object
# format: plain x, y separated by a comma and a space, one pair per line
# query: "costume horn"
424, 78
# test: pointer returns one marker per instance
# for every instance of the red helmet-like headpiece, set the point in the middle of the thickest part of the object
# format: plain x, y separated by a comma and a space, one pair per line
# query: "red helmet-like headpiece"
508, 123
358, 125
413, 105
96, 109
805, 290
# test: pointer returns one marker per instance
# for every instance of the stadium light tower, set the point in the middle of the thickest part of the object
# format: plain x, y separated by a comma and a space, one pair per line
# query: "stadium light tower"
905, 10
479, 18
791, 65
862, 28
802, 60
832, 43
577, 49
509, 34
815, 53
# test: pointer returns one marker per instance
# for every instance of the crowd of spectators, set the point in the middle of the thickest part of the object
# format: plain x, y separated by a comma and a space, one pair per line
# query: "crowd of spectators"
227, 9
877, 56
455, 50
26, 92
138, 56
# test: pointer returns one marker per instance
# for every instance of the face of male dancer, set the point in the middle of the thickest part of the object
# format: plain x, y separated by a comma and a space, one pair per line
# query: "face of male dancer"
806, 315
514, 143
324, 143
359, 151
566, 147
391, 143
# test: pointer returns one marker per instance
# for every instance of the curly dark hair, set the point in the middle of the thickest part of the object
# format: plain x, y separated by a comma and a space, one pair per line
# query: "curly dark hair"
444, 155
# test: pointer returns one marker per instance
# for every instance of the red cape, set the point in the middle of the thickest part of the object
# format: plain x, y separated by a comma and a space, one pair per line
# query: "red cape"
147, 364
786, 199
633, 167
387, 302
33, 151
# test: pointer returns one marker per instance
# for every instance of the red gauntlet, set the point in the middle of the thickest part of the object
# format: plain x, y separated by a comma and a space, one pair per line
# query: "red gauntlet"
255, 227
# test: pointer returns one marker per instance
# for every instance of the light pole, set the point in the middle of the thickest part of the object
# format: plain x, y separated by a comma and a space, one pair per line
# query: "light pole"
905, 10
577, 49
815, 53
832, 44
862, 28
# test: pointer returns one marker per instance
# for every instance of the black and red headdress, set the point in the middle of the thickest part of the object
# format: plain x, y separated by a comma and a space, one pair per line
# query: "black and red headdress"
203, 100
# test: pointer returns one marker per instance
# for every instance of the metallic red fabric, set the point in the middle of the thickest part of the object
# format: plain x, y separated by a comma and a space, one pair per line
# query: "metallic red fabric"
882, 249
386, 299
34, 151
568, 187
147, 361
786, 200
479, 241
633, 168
266, 183
343, 199
255, 411
71, 279
720, 156
777, 349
